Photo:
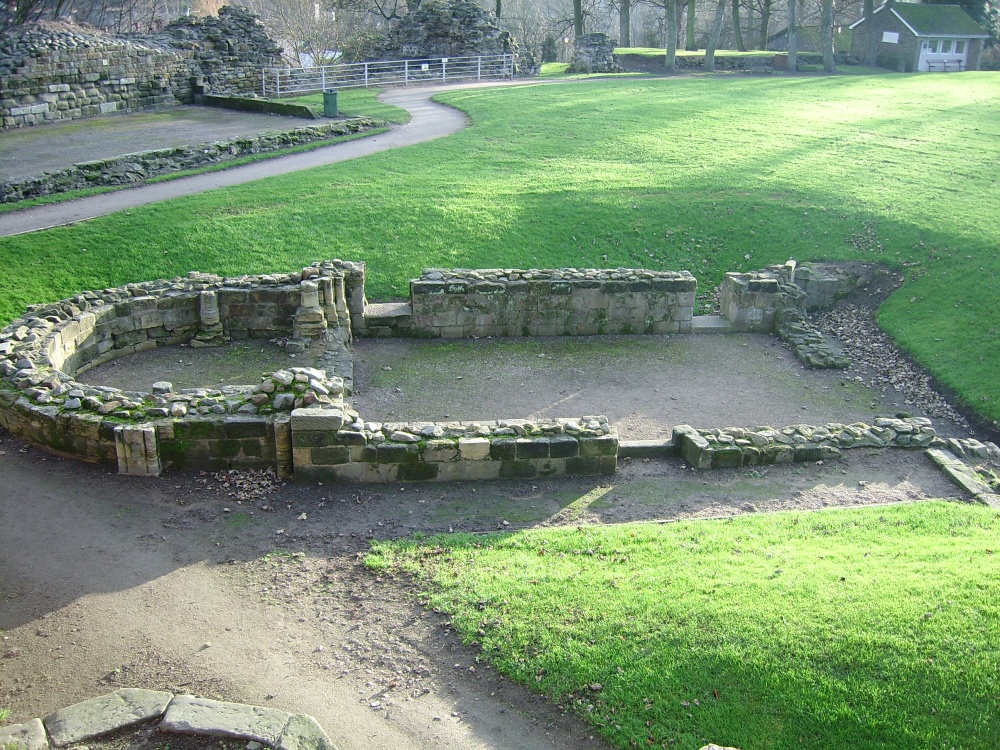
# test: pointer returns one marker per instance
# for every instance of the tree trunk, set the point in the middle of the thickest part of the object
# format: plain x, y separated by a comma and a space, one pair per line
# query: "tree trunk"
737, 31
827, 35
868, 53
671, 62
498, 7
793, 36
689, 41
713, 40
765, 19
577, 17
624, 24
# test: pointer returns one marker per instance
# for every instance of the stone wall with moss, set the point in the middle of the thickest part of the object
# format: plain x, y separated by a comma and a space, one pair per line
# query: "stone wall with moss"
51, 72
453, 303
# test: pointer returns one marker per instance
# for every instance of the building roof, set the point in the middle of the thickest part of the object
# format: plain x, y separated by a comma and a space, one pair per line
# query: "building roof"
927, 19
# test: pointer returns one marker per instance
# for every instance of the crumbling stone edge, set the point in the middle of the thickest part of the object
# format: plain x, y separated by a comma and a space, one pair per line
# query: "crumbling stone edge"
186, 714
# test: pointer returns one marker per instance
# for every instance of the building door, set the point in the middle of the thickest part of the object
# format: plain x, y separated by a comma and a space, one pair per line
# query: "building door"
942, 55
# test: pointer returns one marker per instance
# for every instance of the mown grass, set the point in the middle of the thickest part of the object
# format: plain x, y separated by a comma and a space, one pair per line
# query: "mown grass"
862, 628
358, 103
709, 175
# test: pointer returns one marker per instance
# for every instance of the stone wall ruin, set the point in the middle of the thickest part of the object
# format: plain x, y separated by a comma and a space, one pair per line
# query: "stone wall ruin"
51, 72
299, 421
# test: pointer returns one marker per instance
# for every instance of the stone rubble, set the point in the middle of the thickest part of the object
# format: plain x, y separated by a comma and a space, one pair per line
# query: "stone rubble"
869, 347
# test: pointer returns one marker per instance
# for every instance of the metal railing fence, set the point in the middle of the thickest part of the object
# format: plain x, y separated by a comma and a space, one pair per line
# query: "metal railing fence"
287, 81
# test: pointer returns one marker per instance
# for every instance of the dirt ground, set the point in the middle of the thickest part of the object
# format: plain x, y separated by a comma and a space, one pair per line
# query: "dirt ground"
237, 586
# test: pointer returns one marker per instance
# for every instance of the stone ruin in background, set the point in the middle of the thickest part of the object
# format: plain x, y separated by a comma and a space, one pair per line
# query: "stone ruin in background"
59, 71
595, 53
455, 28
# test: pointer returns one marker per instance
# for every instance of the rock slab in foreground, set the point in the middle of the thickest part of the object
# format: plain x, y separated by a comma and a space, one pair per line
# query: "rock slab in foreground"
98, 716
304, 733
188, 714
27, 736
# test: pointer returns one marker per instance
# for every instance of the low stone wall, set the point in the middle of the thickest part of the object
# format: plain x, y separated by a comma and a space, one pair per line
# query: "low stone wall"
134, 168
734, 446
60, 72
562, 302
329, 446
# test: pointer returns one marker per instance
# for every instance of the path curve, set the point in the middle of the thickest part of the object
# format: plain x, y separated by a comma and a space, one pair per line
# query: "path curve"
429, 121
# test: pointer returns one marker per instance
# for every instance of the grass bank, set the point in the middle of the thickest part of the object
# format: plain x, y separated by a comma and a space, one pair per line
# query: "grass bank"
868, 628
709, 175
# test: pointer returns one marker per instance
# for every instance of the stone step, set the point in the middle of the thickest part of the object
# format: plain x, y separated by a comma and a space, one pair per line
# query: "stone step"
646, 448
387, 313
710, 324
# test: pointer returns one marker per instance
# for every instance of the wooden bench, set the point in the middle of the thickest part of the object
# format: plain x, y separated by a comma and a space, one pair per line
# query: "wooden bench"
944, 66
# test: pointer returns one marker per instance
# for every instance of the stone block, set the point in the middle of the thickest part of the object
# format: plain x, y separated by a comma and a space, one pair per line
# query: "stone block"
518, 470
727, 457
417, 472
563, 446
310, 439
397, 453
474, 449
315, 419
528, 448
440, 451
329, 455
104, 714
245, 427
304, 733
503, 450
469, 471
188, 714
605, 445
27, 736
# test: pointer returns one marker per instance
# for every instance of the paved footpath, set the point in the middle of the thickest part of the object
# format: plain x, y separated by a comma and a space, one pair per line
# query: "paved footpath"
429, 121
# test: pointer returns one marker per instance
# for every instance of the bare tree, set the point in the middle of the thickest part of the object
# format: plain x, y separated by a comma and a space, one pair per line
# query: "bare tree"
713, 39
793, 37
625, 23
868, 52
689, 39
737, 32
671, 62
765, 20
826, 33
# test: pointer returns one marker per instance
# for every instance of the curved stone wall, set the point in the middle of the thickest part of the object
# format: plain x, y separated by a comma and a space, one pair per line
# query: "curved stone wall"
237, 426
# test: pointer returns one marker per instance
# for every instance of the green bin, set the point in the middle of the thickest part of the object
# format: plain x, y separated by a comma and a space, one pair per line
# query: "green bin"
330, 103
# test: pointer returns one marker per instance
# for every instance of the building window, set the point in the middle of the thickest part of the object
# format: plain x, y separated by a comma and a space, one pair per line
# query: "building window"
945, 46
890, 37
931, 46
959, 47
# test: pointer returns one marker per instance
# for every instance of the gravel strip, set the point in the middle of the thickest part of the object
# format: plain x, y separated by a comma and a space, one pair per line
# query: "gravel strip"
875, 358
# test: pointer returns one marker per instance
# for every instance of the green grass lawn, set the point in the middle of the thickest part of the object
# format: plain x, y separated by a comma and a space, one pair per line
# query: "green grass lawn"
358, 103
709, 175
867, 629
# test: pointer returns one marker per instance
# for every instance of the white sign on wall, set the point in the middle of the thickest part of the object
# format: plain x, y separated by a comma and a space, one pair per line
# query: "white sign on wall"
890, 37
